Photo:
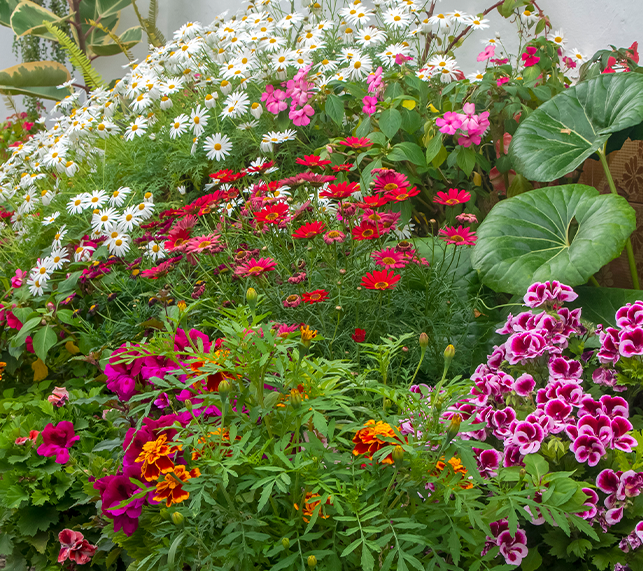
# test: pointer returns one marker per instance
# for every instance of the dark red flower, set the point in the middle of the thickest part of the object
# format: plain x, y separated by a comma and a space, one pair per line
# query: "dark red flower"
309, 230
227, 175
312, 161
359, 336
342, 168
75, 547
315, 296
56, 441
375, 201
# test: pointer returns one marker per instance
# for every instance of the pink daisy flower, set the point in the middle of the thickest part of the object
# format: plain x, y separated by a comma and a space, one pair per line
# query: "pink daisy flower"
459, 236
255, 267
334, 236
204, 244
453, 197
389, 258
389, 181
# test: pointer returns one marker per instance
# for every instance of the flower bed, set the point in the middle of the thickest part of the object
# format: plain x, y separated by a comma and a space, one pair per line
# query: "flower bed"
229, 285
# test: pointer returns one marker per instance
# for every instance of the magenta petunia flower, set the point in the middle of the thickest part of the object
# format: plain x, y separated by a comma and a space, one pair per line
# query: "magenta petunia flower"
449, 123
57, 440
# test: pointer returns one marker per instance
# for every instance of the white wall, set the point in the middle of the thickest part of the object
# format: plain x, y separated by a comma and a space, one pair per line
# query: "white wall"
589, 25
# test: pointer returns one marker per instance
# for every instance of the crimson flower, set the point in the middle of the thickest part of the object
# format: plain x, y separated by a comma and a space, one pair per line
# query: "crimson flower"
227, 175
375, 201
56, 441
359, 336
453, 197
264, 166
365, 231
309, 230
401, 194
380, 280
75, 547
311, 161
339, 191
255, 267
342, 168
272, 214
459, 236
356, 142
315, 296
530, 58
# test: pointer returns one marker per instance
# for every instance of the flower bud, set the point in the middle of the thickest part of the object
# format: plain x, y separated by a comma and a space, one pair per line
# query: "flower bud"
424, 341
398, 454
178, 519
477, 179
165, 514
251, 298
295, 399
312, 561
285, 542
387, 403
449, 353
224, 388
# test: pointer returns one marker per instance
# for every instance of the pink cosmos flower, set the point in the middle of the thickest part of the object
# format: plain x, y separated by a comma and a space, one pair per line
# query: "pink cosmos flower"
449, 123
57, 440
487, 53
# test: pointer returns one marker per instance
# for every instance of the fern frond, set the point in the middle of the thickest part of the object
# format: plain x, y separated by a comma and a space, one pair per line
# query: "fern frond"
154, 35
114, 38
10, 103
77, 58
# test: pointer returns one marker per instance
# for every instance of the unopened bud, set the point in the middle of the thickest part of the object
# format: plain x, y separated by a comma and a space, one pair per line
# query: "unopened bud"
224, 388
178, 519
312, 561
424, 341
387, 403
295, 399
477, 179
523, 473
398, 454
449, 353
251, 298
285, 542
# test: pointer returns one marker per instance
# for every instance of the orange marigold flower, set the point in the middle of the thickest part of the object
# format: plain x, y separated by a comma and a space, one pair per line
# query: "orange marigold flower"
456, 466
214, 438
171, 489
369, 440
311, 501
155, 458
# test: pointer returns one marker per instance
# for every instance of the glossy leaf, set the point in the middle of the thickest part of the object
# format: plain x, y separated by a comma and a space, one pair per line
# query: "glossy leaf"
6, 9
390, 122
407, 152
109, 7
600, 304
566, 233
128, 39
39, 79
43, 340
28, 17
558, 136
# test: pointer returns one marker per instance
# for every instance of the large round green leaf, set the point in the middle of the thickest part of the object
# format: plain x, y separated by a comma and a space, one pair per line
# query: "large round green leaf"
565, 233
559, 135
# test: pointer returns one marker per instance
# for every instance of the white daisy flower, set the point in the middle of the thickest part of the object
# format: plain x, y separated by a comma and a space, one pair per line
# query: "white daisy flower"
198, 120
36, 286
50, 219
155, 250
42, 270
217, 147
117, 242
476, 76
211, 99
104, 218
96, 199
58, 258
369, 37
58, 237
166, 103
578, 57
179, 126
440, 21
248, 125
478, 23
558, 38
118, 196
397, 18
359, 67
529, 17
77, 204
136, 129
83, 253
145, 210
70, 168
235, 105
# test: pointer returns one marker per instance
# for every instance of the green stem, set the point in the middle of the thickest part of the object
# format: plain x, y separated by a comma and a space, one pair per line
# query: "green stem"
628, 244
593, 281
418, 367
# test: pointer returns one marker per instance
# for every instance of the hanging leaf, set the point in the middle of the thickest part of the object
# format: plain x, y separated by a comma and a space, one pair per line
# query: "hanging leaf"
38, 79
334, 109
390, 122
407, 152
566, 233
44, 339
6, 9
40, 370
558, 136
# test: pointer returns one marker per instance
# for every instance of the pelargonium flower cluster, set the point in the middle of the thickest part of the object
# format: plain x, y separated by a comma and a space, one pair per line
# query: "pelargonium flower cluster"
468, 126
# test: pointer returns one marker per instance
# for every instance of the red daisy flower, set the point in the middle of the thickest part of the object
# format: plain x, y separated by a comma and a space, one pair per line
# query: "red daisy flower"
340, 191
365, 231
315, 296
380, 280
255, 267
356, 142
388, 180
459, 236
375, 201
309, 230
400, 195
227, 175
342, 168
272, 214
453, 197
359, 336
390, 258
311, 161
